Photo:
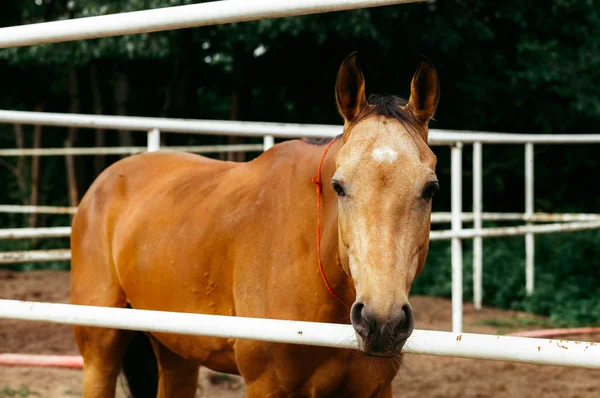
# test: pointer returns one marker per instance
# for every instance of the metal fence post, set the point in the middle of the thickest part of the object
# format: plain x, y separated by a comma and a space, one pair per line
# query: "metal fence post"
153, 140
268, 142
456, 192
477, 241
529, 239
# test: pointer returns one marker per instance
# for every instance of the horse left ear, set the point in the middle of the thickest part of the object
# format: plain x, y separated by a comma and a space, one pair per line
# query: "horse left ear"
350, 89
424, 91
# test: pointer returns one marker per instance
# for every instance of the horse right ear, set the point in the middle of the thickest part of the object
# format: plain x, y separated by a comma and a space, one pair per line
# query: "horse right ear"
424, 91
350, 89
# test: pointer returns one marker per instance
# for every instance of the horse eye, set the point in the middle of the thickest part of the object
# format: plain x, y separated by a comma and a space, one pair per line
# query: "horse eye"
337, 187
430, 190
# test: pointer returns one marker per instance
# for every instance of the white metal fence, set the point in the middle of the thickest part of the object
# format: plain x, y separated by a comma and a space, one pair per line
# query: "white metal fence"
268, 131
464, 345
429, 342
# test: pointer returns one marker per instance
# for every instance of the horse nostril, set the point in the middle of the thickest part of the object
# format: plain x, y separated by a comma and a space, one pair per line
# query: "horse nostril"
363, 324
356, 313
405, 325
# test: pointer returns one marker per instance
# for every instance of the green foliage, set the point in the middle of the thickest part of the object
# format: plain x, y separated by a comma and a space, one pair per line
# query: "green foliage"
566, 276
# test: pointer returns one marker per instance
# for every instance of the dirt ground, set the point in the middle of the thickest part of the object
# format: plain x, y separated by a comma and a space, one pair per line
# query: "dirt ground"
421, 376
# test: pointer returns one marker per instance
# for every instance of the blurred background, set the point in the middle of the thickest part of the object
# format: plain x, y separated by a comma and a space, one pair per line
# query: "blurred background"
527, 66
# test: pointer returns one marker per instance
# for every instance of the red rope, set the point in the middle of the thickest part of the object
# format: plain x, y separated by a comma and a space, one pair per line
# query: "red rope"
317, 181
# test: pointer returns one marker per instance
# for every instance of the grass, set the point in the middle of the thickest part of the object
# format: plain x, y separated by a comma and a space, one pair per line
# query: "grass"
22, 392
510, 325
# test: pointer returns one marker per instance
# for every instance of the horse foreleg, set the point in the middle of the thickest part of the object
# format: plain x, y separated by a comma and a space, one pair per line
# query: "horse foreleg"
176, 376
102, 351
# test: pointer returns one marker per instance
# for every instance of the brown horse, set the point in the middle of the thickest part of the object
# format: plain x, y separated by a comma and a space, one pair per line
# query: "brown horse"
180, 232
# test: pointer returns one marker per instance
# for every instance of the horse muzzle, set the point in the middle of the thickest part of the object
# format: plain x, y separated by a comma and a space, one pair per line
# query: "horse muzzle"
382, 336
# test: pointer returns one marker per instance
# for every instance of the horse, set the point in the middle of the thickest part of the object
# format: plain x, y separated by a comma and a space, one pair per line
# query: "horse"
333, 232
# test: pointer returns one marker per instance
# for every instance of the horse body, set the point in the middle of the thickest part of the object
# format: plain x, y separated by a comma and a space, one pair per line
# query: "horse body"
175, 246
184, 233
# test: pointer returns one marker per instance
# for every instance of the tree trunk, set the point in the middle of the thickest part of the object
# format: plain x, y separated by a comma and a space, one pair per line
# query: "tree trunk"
19, 170
234, 115
171, 97
237, 95
35, 173
100, 137
72, 137
121, 95
71, 177
170, 93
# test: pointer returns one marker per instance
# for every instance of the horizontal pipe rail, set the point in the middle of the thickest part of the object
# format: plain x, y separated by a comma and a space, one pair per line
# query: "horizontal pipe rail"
65, 254
449, 137
437, 217
167, 18
37, 209
260, 129
515, 231
35, 256
445, 217
594, 223
24, 233
171, 125
464, 345
128, 150
45, 361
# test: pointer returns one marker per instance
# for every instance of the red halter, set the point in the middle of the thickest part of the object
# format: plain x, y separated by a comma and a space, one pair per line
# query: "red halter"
317, 181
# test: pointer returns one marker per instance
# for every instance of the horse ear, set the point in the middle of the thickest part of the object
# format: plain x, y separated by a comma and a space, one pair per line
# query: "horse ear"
350, 89
424, 91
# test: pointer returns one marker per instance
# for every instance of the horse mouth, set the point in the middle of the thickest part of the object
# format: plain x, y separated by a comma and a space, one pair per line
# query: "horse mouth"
378, 350
381, 355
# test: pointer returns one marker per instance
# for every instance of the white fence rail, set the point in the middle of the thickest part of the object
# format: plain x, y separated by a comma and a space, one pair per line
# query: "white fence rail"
64, 255
129, 150
268, 131
188, 16
35, 256
25, 233
37, 209
475, 346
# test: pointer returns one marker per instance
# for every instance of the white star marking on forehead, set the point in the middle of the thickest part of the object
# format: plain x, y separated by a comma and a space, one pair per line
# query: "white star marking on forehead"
384, 154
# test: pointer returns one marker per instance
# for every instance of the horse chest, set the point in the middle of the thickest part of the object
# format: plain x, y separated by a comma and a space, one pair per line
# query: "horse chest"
214, 353
324, 384
300, 371
366, 377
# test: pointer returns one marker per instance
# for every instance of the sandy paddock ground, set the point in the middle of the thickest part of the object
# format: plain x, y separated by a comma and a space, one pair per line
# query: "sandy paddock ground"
421, 376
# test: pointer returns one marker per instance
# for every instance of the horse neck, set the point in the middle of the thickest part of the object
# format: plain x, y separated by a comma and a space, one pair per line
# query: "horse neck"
339, 281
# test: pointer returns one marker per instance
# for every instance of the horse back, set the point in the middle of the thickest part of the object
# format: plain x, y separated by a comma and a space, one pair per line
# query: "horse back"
138, 234
141, 205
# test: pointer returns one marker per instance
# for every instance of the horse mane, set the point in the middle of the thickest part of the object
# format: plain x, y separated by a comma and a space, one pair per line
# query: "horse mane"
389, 106
319, 141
